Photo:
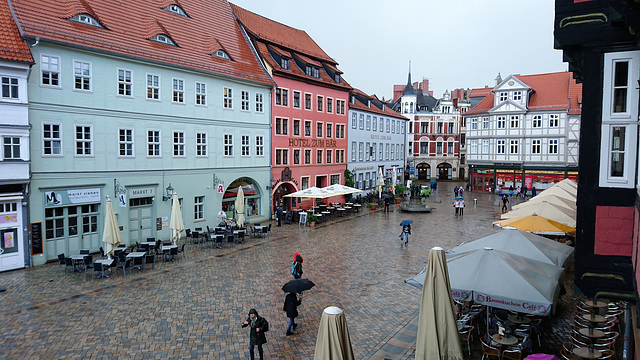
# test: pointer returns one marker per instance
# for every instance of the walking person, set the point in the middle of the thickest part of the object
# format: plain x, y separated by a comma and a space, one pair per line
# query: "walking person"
291, 303
296, 266
505, 201
387, 200
461, 207
456, 205
460, 191
258, 326
406, 231
279, 215
455, 191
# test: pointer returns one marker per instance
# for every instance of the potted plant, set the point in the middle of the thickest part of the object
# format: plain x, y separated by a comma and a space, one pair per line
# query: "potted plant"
373, 205
312, 219
400, 190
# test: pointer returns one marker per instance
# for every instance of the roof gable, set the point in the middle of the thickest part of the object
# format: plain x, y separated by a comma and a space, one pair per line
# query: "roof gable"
12, 46
511, 83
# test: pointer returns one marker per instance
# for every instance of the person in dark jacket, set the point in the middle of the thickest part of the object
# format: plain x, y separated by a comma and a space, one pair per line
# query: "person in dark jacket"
291, 303
256, 335
297, 263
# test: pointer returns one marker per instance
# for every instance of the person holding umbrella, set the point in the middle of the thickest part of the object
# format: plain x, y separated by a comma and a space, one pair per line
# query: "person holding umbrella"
505, 201
461, 206
291, 303
406, 230
259, 326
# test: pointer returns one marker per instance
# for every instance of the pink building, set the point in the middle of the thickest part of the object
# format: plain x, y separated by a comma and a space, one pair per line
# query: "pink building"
309, 108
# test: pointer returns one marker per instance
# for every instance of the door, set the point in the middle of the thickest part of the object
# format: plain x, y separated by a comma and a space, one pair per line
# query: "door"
140, 219
11, 237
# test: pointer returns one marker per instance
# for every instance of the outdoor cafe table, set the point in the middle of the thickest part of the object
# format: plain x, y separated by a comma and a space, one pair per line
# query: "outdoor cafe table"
341, 211
596, 304
136, 254
76, 259
591, 333
586, 353
326, 214
348, 209
357, 207
105, 263
519, 319
504, 339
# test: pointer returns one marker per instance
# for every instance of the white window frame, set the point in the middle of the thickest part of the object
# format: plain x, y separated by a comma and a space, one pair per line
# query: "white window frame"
514, 147
329, 105
227, 97
52, 140
83, 140
202, 144
155, 89
157, 145
354, 120
304, 182
45, 66
245, 145
12, 143
514, 121
310, 102
177, 91
198, 208
179, 144
503, 96
123, 84
200, 93
474, 123
554, 146
536, 121
298, 98
517, 95
485, 146
554, 120
228, 145
245, 100
319, 103
501, 122
82, 76
501, 146
259, 145
536, 146
12, 87
485, 123
354, 150
259, 102
126, 144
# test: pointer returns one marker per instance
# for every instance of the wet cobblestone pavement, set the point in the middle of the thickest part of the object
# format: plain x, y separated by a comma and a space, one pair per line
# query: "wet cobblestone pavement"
193, 308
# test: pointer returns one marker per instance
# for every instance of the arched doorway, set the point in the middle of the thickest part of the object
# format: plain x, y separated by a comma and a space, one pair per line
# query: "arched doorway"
280, 191
444, 171
424, 171
252, 198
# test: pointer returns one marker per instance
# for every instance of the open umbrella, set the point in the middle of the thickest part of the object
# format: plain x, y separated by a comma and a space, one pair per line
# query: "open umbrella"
551, 211
406, 222
437, 328
298, 285
333, 340
432, 181
385, 195
239, 205
537, 225
458, 198
338, 189
111, 234
177, 224
503, 194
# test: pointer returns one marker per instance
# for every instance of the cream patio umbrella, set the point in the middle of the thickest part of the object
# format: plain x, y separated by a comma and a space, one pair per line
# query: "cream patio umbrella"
537, 225
557, 213
558, 191
176, 225
550, 198
437, 328
333, 340
338, 189
239, 205
111, 234
380, 182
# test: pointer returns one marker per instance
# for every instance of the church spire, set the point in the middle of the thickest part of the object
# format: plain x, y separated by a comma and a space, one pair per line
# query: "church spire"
408, 90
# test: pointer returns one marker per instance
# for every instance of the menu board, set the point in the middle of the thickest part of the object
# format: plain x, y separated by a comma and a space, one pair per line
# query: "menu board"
36, 238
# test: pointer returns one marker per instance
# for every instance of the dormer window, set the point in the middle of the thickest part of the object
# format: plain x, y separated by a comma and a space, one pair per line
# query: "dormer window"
308, 70
222, 54
87, 20
161, 38
337, 78
315, 72
503, 96
284, 63
175, 9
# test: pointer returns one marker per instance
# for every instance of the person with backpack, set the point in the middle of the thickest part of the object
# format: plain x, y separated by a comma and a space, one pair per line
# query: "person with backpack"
296, 266
291, 303
258, 326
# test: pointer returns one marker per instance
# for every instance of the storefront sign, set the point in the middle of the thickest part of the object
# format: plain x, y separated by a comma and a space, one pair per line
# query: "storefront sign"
68, 197
36, 238
135, 193
9, 218
381, 137
313, 143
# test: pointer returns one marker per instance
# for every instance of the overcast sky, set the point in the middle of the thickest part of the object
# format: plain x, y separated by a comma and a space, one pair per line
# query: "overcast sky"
453, 43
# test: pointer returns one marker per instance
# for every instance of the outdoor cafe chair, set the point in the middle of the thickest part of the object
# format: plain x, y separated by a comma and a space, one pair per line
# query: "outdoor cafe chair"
466, 334
88, 264
97, 268
182, 252
84, 252
150, 259
514, 353
488, 351
60, 260
606, 354
123, 265
68, 263
564, 355
138, 263
173, 253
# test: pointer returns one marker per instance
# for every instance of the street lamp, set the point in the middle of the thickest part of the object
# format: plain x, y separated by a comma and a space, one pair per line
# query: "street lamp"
169, 193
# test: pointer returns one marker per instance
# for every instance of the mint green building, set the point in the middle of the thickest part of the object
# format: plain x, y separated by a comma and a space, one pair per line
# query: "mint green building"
167, 108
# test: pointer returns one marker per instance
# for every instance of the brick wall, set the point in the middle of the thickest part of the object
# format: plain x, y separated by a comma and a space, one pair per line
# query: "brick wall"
614, 230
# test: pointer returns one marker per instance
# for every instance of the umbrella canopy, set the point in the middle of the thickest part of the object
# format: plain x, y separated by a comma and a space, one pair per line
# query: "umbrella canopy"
312, 192
458, 198
177, 224
546, 209
298, 285
111, 234
385, 195
432, 181
239, 205
553, 199
338, 189
521, 243
525, 285
503, 194
380, 180
437, 328
537, 225
333, 341
558, 191
406, 222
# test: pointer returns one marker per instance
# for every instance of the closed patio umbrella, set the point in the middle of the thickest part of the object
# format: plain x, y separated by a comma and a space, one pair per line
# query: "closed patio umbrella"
333, 342
111, 234
239, 205
437, 328
380, 182
177, 224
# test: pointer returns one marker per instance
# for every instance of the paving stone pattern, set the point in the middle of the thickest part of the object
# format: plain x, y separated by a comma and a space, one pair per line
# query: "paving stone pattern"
193, 308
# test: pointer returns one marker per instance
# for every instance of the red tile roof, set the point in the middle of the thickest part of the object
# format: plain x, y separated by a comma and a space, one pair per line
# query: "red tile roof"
373, 109
480, 92
553, 91
287, 41
129, 24
12, 46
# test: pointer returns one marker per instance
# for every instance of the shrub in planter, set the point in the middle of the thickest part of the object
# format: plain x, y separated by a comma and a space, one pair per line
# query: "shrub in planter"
373, 205
312, 219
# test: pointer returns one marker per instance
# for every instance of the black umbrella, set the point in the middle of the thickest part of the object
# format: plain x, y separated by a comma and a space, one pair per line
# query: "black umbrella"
298, 285
385, 195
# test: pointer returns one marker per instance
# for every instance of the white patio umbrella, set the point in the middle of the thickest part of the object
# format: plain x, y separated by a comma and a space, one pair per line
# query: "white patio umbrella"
499, 279
558, 191
550, 198
338, 189
239, 205
111, 234
380, 182
437, 328
548, 210
521, 243
177, 224
333, 341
